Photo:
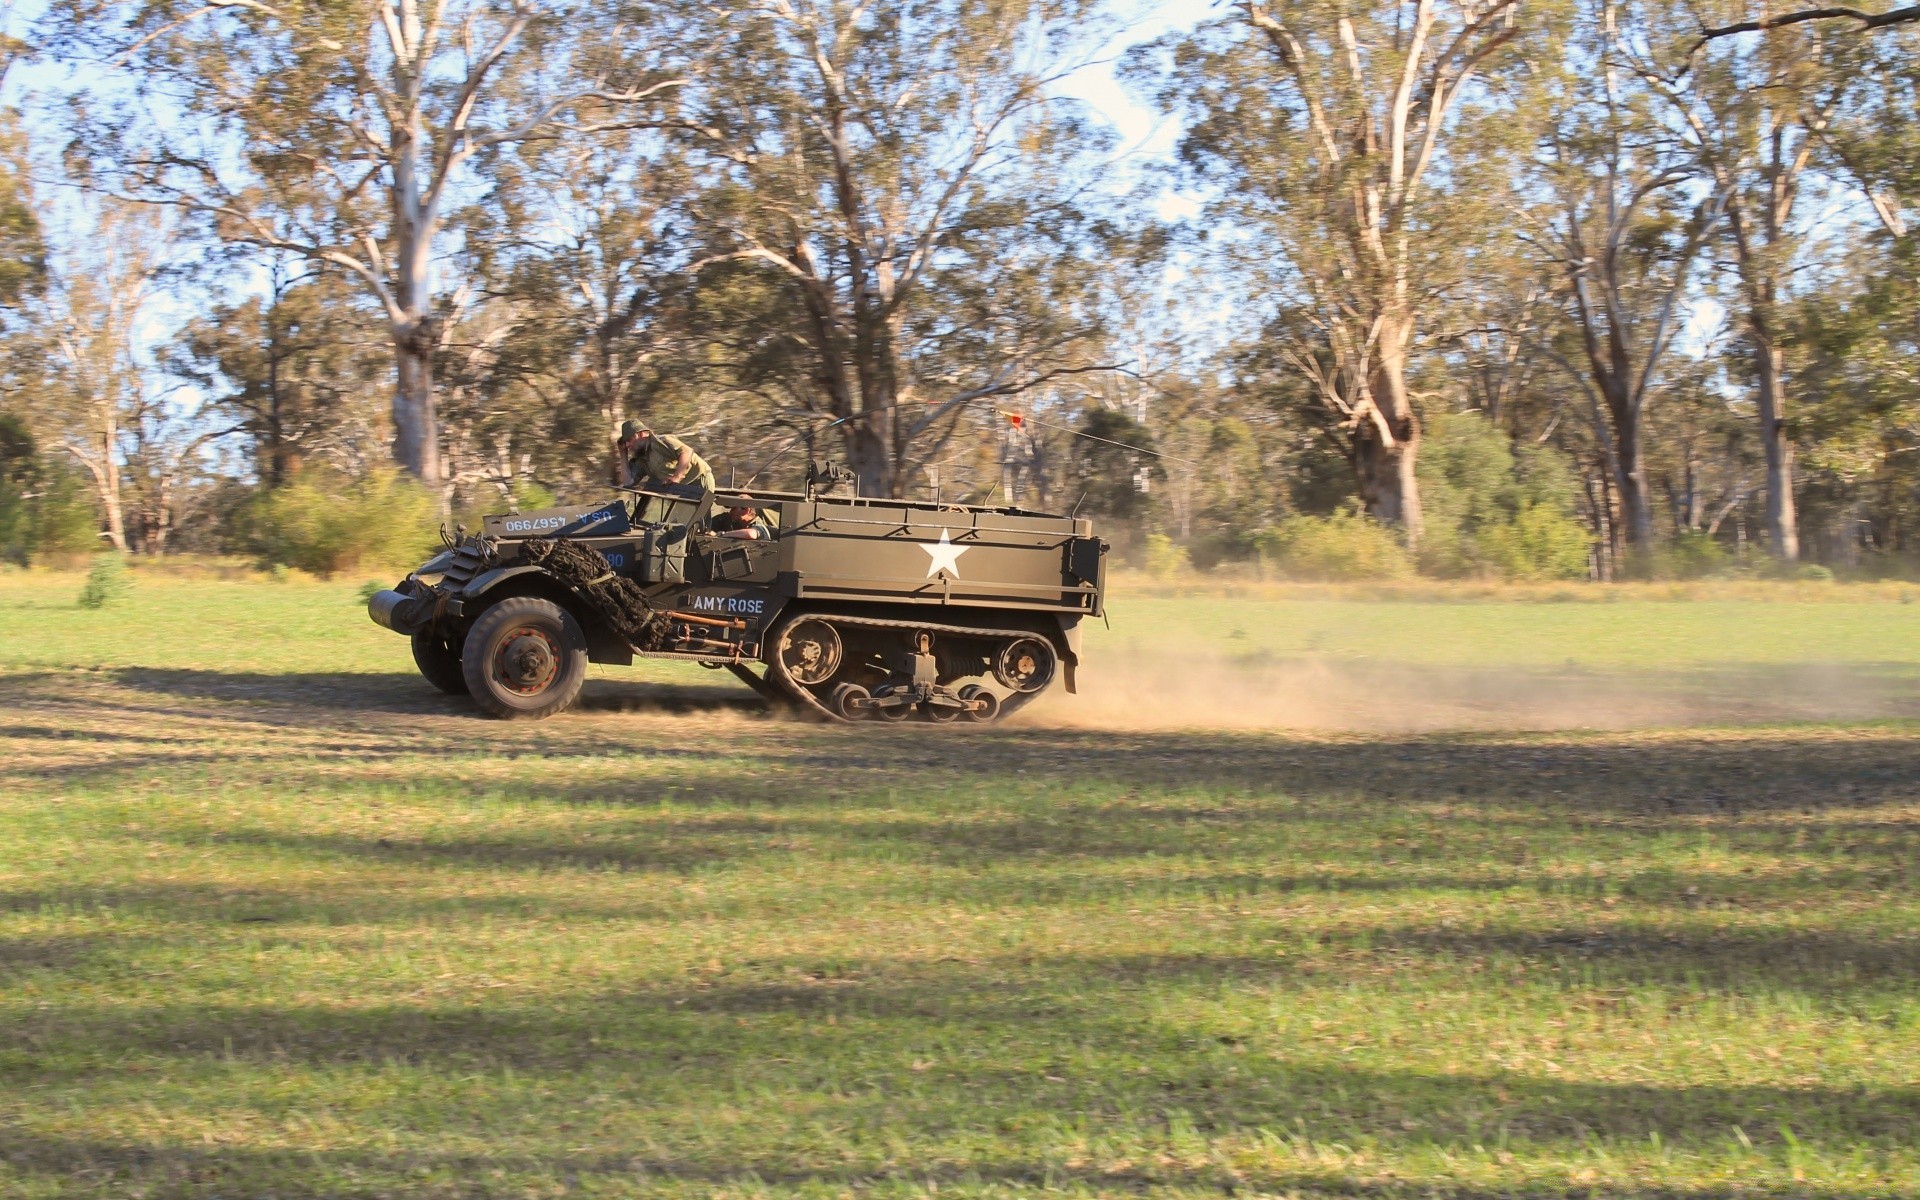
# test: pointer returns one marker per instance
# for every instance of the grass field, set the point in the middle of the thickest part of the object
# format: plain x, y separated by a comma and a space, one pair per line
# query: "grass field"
276, 919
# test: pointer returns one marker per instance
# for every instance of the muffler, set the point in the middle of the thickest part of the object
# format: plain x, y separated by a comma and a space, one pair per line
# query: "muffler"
399, 612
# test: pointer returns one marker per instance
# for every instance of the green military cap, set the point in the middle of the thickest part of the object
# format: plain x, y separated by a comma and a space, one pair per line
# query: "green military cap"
629, 428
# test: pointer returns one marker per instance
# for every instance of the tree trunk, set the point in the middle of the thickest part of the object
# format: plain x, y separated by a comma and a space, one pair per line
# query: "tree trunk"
161, 523
868, 455
1636, 508
416, 428
1783, 525
110, 502
1388, 485
106, 479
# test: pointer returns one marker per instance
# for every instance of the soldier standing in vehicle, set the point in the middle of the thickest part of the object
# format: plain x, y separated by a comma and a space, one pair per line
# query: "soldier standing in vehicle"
660, 461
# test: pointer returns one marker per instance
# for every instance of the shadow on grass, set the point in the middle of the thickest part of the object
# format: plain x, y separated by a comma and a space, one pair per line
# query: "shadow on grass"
1006, 1050
682, 1059
347, 692
180, 1172
19, 955
1073, 1041
1536, 778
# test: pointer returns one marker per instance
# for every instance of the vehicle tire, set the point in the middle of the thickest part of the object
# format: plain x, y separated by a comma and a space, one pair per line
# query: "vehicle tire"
525, 658
439, 662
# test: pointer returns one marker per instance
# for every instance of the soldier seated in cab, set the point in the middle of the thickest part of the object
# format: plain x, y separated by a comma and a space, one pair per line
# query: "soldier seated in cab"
744, 521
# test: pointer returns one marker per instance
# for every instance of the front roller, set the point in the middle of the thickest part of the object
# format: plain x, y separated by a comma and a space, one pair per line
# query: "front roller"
525, 659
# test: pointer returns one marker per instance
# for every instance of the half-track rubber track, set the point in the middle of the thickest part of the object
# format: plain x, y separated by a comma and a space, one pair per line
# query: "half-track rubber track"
810, 700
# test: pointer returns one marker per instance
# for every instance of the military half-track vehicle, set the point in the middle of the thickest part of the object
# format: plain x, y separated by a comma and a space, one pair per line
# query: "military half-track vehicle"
855, 609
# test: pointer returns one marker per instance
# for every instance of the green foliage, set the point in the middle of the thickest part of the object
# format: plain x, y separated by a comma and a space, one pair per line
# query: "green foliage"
1693, 554
1495, 511
1814, 573
23, 251
64, 521
1166, 558
1345, 546
45, 513
1110, 474
529, 496
106, 583
19, 470
300, 372
1539, 543
325, 524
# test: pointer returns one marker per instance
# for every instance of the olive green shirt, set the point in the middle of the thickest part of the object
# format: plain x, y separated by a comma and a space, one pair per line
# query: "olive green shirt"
726, 522
655, 461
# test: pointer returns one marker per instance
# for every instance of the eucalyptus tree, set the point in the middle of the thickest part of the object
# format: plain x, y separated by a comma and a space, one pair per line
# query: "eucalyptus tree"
584, 262
1873, 138
1754, 113
1353, 148
1621, 221
23, 249
295, 372
345, 132
99, 399
903, 214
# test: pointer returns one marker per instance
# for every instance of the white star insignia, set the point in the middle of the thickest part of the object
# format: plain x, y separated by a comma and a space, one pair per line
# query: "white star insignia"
945, 555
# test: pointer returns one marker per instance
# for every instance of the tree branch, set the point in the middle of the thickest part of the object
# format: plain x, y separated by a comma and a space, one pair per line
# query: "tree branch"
1868, 21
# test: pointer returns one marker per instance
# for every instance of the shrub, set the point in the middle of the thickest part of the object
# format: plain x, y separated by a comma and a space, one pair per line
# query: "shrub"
64, 523
1166, 558
324, 523
1538, 543
1693, 555
1492, 508
106, 583
1342, 547
1814, 573
529, 496
45, 511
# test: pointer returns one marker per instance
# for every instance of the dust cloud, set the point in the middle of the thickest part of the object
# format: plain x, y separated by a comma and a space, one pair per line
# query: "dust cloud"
1128, 691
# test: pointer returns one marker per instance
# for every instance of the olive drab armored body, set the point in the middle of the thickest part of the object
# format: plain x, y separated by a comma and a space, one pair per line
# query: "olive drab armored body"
853, 609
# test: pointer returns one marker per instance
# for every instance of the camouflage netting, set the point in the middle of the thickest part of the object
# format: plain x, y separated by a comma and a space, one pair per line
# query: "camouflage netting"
617, 599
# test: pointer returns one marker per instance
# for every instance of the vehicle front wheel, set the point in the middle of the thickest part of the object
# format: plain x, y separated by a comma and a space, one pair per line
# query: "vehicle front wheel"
439, 662
525, 659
